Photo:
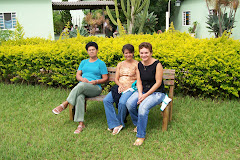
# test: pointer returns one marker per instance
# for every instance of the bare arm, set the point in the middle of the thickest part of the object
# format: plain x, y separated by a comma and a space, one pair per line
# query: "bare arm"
99, 81
117, 75
139, 83
80, 78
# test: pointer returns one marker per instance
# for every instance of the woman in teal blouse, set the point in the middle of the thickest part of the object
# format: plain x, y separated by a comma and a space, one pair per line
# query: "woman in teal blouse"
91, 73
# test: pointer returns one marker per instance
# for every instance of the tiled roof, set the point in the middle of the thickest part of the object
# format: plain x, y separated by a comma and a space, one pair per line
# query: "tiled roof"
82, 5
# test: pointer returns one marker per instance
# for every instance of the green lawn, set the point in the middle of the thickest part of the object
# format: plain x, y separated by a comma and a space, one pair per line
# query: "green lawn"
201, 129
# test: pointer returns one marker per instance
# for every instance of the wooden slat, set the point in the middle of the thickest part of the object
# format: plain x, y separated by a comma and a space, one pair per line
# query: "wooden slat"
169, 71
98, 98
111, 69
111, 77
167, 76
168, 82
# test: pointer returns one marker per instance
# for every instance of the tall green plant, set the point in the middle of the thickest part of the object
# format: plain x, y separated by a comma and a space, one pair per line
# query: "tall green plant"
225, 24
19, 32
116, 22
150, 22
130, 11
223, 17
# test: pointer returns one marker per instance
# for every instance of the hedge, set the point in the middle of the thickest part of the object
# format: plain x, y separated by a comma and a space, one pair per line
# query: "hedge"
204, 67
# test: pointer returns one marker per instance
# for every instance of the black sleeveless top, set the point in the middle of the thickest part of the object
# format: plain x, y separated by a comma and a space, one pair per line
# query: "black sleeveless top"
147, 75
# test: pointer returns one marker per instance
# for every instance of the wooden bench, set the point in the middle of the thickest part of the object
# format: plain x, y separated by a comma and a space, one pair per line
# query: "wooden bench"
168, 78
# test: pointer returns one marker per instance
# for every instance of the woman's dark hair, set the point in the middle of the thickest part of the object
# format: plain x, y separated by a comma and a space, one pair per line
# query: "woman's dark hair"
145, 45
91, 44
129, 47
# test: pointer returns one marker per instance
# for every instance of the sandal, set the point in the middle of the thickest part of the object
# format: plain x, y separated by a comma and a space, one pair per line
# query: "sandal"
139, 142
57, 111
117, 129
79, 129
110, 130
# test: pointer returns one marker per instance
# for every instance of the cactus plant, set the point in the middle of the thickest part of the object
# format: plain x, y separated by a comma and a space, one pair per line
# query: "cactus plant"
115, 22
133, 8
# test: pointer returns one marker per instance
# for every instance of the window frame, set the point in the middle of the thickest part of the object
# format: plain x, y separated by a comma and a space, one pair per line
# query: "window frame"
184, 18
2, 20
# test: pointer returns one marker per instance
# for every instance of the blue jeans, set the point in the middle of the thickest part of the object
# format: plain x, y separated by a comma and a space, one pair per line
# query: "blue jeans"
114, 120
139, 115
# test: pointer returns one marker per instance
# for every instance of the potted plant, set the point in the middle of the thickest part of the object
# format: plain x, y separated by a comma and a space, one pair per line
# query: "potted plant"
192, 30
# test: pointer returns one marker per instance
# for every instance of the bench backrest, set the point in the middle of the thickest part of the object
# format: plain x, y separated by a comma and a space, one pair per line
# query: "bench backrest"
168, 75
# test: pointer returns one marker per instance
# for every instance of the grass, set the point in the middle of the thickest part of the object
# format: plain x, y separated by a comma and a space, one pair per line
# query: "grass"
201, 129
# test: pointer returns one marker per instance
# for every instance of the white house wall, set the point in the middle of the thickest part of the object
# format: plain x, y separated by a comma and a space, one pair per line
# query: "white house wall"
34, 15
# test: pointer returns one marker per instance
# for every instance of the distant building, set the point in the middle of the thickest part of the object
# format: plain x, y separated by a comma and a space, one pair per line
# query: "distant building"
34, 15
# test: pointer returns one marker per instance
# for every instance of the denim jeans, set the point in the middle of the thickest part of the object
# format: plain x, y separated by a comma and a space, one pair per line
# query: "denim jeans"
139, 115
114, 119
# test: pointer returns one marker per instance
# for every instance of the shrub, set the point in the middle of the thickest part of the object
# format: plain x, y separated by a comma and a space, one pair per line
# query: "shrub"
204, 67
5, 35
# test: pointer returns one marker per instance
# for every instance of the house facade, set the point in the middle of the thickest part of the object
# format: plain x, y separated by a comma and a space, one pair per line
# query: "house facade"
196, 10
34, 15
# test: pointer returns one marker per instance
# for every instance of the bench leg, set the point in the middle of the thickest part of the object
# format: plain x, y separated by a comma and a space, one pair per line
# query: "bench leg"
170, 111
171, 103
71, 113
165, 118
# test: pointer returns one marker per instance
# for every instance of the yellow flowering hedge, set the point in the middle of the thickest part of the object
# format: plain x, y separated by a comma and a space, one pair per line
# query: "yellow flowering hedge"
205, 67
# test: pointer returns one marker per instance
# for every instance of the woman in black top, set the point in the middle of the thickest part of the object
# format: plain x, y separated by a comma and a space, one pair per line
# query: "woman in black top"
150, 90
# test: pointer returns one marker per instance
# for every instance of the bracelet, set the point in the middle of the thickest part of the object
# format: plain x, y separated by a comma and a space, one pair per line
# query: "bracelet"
97, 82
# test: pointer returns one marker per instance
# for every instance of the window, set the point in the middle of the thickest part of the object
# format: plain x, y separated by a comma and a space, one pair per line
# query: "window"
186, 18
8, 20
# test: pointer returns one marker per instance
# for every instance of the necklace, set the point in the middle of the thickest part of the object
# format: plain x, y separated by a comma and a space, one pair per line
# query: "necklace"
145, 67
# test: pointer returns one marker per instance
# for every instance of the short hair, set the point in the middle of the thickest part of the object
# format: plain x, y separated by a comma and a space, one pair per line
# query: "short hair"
129, 47
145, 45
93, 44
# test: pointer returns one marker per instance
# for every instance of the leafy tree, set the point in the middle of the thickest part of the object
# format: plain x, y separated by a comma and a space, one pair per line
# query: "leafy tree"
66, 16
57, 22
159, 7
60, 19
